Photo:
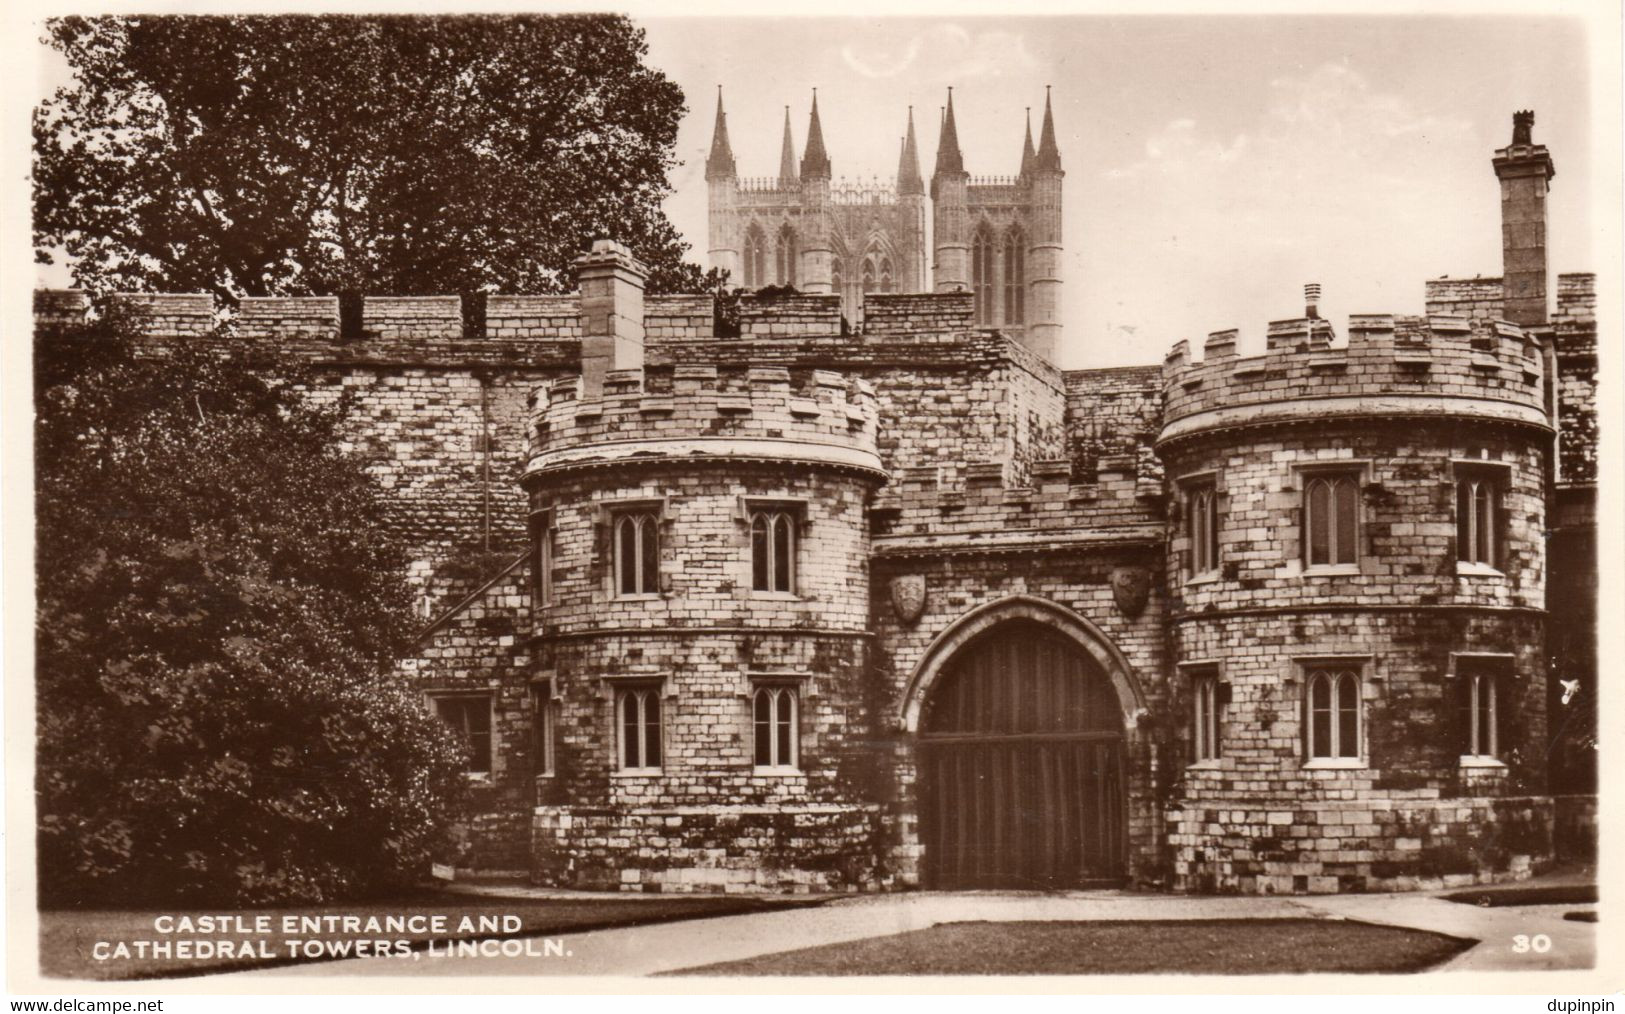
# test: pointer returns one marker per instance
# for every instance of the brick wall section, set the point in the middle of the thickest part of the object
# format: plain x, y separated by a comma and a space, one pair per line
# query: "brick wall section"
1404, 841
1113, 415
1478, 299
482, 649
412, 316
183, 315
1574, 327
783, 316
678, 318
794, 849
887, 315
278, 318
545, 318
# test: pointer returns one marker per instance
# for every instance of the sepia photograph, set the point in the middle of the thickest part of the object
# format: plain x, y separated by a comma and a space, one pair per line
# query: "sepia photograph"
773, 500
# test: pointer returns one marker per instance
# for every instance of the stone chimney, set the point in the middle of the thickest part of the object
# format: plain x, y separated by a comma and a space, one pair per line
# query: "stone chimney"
1311, 300
1524, 169
611, 282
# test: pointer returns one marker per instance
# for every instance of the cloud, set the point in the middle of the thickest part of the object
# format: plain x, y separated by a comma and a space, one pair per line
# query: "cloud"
1335, 98
1323, 111
1178, 148
947, 52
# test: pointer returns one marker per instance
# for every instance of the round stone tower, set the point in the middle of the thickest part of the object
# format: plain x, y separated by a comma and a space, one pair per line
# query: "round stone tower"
1356, 568
700, 633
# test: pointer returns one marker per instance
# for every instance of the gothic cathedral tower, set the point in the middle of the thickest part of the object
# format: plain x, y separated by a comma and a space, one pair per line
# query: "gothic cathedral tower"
999, 237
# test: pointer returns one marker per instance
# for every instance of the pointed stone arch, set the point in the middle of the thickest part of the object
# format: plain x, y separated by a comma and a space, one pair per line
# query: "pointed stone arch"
1094, 641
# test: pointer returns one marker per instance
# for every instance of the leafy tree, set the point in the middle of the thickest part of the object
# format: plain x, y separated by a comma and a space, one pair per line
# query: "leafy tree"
219, 608
318, 155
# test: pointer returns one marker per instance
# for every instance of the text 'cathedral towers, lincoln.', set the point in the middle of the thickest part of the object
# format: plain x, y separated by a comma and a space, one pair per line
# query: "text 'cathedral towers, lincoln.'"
998, 237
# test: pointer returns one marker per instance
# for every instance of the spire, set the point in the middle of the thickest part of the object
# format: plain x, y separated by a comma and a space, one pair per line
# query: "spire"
787, 157
815, 162
1027, 155
949, 159
720, 163
1048, 158
908, 163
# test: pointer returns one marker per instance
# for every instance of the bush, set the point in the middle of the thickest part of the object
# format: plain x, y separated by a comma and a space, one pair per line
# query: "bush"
219, 610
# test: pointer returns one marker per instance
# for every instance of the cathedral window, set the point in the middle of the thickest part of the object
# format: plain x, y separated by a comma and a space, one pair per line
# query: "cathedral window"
755, 258
1331, 520
1332, 713
637, 553
469, 715
637, 711
885, 275
785, 256
868, 274
1015, 277
1478, 510
981, 259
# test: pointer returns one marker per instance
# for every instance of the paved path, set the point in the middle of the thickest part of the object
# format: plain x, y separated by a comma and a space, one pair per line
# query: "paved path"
646, 950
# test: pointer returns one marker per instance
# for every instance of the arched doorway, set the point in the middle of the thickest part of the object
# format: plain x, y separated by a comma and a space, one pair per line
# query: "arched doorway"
1021, 765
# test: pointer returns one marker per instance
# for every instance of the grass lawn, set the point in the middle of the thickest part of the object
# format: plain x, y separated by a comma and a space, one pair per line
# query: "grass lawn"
68, 936
1211, 947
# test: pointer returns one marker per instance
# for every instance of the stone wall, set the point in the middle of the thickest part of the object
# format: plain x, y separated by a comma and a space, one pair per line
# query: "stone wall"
1478, 298
711, 850
480, 647
1575, 342
1403, 841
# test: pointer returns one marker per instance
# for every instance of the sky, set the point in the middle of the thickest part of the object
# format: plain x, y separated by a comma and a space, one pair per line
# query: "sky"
1213, 164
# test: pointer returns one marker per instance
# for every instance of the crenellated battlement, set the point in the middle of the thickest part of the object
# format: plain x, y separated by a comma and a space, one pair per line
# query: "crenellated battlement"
390, 318
698, 413
504, 318
985, 509
1435, 365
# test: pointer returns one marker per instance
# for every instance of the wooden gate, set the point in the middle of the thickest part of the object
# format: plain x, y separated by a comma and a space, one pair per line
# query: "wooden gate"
1021, 770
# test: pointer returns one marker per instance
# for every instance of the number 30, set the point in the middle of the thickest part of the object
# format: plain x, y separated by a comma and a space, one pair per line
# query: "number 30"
1540, 943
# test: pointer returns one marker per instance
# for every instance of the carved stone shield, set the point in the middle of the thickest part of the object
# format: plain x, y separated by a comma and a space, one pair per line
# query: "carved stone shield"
1131, 587
908, 597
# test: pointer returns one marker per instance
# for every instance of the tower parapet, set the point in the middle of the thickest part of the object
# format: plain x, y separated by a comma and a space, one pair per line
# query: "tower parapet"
698, 415
1435, 366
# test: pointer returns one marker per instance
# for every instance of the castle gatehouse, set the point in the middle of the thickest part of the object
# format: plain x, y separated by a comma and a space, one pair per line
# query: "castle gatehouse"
832, 587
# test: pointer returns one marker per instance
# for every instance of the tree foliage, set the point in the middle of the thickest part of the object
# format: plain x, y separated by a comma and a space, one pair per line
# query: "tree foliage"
219, 609
318, 155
